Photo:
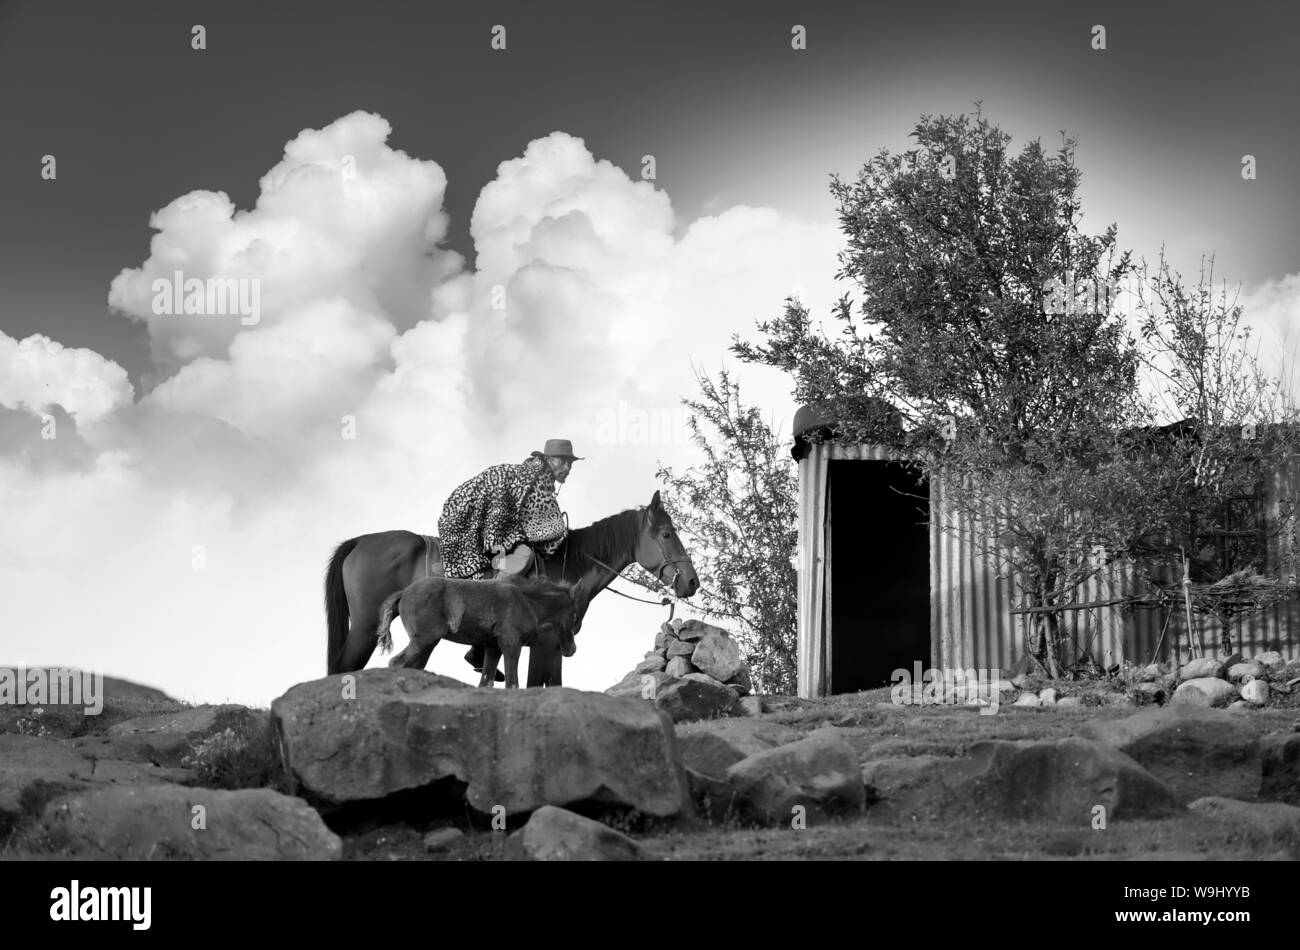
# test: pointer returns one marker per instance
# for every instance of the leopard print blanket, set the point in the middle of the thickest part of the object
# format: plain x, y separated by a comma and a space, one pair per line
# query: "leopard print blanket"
501, 506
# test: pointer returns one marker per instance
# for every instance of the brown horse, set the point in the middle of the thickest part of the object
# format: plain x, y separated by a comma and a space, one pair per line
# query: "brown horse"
503, 615
365, 570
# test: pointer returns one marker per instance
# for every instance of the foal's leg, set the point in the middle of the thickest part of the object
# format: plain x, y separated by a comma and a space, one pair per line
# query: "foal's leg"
512, 666
491, 657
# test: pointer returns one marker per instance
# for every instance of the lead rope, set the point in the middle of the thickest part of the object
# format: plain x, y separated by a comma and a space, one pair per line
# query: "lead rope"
664, 602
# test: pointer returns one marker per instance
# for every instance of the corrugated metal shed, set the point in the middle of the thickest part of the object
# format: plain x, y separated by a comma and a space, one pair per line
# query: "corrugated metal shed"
971, 624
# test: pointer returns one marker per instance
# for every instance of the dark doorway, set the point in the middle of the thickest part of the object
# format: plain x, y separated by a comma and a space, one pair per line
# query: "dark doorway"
879, 583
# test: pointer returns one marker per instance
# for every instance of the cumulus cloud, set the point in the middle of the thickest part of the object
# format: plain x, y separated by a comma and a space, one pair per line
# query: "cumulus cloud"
381, 374
37, 373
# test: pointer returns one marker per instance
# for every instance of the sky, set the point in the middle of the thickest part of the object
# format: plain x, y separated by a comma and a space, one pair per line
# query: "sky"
456, 250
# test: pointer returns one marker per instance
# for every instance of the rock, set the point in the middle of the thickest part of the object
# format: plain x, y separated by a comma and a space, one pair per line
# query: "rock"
820, 773
665, 637
1196, 751
1150, 673
1230, 660
1002, 686
1238, 704
29, 762
1047, 697
1117, 699
1028, 699
1021, 682
116, 691
680, 648
697, 630
1066, 702
1280, 768
651, 664
1272, 820
1244, 672
638, 685
157, 822
1205, 667
1271, 660
713, 746
167, 738
718, 655
1255, 692
518, 749
692, 698
705, 678
442, 839
1060, 781
678, 667
554, 834
1204, 691
751, 706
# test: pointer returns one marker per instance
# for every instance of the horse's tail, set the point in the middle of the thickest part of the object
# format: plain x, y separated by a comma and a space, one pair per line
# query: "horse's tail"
336, 605
386, 614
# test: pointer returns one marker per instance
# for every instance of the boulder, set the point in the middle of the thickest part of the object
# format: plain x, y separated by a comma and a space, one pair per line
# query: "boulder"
664, 637
697, 630
820, 773
1028, 699
1201, 668
1061, 781
1271, 820
718, 655
554, 834
1271, 660
28, 762
750, 706
158, 822
518, 749
1048, 697
1244, 672
680, 648
1255, 692
638, 685
1067, 702
167, 738
1196, 751
651, 664
1204, 691
678, 667
692, 698
713, 746
1150, 673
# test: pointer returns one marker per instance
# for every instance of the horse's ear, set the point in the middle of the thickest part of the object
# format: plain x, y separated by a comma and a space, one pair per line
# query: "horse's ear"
655, 503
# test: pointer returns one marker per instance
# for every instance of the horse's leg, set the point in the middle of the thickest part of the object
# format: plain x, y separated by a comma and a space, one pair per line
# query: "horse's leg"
491, 657
512, 664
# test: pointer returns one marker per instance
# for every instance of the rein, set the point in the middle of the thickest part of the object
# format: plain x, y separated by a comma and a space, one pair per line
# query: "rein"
667, 561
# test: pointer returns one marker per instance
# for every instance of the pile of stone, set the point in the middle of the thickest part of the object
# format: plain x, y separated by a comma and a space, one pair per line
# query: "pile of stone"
695, 671
1233, 682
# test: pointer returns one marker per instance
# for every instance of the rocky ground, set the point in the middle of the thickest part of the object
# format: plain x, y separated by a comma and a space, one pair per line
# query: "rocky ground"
405, 765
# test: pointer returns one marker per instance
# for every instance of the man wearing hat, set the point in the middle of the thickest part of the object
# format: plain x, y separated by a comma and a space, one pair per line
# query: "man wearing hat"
492, 524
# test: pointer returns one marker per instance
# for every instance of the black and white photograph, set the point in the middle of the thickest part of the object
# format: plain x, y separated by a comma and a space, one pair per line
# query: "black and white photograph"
819, 431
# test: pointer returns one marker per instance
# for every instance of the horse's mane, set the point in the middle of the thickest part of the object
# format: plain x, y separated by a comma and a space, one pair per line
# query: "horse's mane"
606, 539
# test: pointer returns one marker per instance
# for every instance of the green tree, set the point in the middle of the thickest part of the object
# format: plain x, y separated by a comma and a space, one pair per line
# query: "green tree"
738, 508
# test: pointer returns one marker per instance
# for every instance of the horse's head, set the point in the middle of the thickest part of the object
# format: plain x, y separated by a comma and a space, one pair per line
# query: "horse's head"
660, 551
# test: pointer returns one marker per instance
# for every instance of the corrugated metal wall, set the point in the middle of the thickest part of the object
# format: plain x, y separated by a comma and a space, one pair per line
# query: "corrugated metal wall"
971, 624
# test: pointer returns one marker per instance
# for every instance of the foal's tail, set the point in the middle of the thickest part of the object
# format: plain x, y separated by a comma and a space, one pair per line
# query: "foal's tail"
336, 606
386, 614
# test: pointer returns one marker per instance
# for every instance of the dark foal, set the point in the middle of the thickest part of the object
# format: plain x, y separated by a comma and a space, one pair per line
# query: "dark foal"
503, 615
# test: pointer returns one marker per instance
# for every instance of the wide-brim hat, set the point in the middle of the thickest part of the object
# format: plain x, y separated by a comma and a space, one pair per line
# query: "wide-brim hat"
561, 448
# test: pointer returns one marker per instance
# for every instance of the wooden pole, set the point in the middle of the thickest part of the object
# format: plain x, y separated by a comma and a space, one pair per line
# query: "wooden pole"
1193, 646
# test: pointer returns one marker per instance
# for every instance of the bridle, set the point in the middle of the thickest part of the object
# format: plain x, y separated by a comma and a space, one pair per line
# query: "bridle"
665, 561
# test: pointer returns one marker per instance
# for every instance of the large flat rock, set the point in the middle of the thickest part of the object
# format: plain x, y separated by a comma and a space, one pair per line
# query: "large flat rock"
518, 749
1199, 752
1063, 781
162, 822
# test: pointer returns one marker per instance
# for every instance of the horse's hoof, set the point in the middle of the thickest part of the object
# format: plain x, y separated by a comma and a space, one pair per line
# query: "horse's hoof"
501, 677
